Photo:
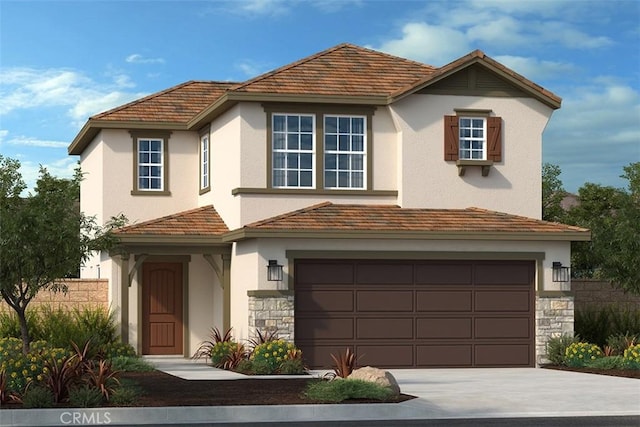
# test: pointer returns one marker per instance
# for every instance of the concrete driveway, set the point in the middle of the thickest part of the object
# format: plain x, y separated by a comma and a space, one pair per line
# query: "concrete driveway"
441, 394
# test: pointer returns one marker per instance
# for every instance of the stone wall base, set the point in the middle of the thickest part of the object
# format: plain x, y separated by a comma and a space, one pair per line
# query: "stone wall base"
554, 318
271, 311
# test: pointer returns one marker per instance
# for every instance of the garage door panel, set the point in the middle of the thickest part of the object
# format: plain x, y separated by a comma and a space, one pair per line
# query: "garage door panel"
503, 355
503, 301
432, 328
324, 301
444, 274
503, 274
324, 328
390, 356
461, 313
436, 301
429, 356
324, 273
384, 273
383, 301
502, 327
384, 328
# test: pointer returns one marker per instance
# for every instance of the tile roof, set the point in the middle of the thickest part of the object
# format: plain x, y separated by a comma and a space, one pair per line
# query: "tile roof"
203, 221
344, 70
328, 216
177, 104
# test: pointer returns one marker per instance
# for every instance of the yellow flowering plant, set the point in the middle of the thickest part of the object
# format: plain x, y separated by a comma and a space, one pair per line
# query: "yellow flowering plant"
581, 353
631, 356
272, 354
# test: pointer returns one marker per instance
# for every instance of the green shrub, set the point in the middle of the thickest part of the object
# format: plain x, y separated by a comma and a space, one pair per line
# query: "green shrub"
85, 397
117, 349
271, 354
37, 397
619, 343
10, 326
292, 367
244, 367
580, 353
632, 354
221, 351
596, 324
131, 364
610, 362
125, 395
20, 369
344, 389
556, 347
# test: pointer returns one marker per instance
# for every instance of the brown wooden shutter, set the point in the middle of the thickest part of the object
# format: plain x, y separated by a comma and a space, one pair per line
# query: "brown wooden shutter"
494, 139
451, 141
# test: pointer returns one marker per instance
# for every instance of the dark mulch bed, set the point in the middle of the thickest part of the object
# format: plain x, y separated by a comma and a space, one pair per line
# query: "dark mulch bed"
628, 373
161, 389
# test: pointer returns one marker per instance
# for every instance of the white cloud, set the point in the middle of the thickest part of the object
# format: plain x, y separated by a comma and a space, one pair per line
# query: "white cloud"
533, 68
28, 88
431, 44
25, 141
136, 58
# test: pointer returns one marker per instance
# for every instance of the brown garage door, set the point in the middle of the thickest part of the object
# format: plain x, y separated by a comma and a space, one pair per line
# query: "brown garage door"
403, 314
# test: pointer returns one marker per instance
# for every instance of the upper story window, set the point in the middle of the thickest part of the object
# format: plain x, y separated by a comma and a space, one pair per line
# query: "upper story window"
318, 147
204, 163
150, 169
471, 136
344, 152
150, 165
293, 141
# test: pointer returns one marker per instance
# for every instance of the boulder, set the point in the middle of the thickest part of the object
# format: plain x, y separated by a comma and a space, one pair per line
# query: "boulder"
378, 376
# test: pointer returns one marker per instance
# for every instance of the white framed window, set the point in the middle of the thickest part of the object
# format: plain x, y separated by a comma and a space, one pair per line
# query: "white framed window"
204, 162
345, 152
293, 150
150, 155
472, 138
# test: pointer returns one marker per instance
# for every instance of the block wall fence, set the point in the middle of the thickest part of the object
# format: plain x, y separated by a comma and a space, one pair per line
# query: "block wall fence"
89, 293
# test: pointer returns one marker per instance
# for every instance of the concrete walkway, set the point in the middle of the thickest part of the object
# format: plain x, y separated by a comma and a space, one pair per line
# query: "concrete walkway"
441, 394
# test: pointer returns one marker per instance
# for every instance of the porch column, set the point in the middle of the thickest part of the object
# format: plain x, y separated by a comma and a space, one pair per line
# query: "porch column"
226, 293
124, 298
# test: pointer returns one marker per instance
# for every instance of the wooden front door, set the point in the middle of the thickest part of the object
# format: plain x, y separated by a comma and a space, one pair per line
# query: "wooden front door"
162, 308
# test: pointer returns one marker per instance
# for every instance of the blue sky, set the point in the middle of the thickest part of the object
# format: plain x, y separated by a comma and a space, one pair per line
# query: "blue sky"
63, 61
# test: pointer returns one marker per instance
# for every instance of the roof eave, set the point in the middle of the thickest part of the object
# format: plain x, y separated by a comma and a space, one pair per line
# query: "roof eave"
245, 234
230, 99
169, 240
93, 127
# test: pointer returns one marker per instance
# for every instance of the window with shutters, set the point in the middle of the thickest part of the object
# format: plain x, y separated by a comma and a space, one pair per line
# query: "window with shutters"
473, 138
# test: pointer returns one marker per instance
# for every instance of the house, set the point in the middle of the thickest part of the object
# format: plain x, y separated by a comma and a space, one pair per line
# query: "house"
351, 198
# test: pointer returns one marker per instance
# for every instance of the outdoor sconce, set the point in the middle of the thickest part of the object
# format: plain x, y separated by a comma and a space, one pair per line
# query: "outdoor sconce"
274, 271
560, 273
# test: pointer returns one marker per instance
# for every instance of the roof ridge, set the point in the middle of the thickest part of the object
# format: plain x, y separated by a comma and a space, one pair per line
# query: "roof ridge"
542, 221
155, 95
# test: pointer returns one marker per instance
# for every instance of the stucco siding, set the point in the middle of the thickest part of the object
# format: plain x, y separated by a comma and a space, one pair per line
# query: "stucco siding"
427, 180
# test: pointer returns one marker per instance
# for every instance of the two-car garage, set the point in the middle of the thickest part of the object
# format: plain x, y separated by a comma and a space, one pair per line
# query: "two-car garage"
416, 313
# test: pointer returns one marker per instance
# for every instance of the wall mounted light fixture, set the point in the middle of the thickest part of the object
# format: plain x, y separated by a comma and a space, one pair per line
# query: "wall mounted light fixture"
274, 271
560, 273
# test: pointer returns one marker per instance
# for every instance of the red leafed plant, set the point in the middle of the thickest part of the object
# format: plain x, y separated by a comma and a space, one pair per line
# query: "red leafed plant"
344, 363
263, 337
206, 347
103, 377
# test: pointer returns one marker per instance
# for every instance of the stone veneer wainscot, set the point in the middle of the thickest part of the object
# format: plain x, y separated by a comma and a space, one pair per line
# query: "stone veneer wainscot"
554, 317
272, 310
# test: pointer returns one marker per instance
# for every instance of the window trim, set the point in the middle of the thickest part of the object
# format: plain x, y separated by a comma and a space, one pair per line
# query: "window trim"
485, 140
137, 135
204, 135
313, 152
319, 110
350, 152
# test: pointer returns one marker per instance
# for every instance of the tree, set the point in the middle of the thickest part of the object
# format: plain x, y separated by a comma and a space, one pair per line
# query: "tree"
43, 237
613, 216
552, 193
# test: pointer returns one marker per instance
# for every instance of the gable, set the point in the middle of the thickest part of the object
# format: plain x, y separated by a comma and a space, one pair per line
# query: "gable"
475, 80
